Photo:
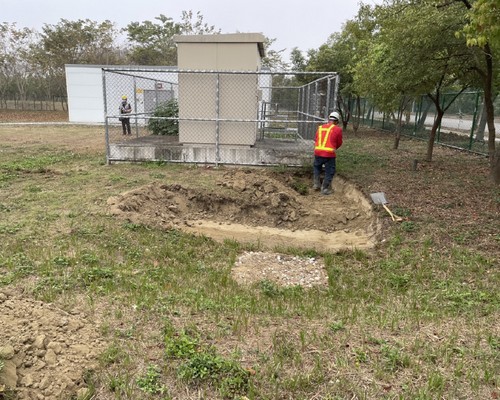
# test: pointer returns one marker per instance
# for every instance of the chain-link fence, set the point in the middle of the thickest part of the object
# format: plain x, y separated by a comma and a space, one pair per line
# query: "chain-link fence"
234, 117
463, 125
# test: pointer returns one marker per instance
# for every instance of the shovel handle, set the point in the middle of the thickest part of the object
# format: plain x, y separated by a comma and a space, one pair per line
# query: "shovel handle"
389, 211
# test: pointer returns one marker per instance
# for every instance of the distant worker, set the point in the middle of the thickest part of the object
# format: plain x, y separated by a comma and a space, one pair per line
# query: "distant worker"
328, 140
125, 108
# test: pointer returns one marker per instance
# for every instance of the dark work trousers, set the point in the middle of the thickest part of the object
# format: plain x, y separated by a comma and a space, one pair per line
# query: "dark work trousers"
126, 126
329, 163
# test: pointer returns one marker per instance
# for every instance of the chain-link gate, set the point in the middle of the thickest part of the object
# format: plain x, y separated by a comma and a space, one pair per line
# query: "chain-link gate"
227, 117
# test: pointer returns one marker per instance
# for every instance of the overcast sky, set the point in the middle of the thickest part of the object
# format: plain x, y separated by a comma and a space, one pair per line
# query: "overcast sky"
305, 24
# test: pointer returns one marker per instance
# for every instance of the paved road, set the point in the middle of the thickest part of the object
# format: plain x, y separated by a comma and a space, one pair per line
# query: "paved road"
460, 124
455, 124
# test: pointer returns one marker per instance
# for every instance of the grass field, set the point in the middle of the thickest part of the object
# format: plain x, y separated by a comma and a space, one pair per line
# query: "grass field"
417, 318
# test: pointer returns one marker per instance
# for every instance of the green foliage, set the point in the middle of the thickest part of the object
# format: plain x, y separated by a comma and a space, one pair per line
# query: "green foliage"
343, 50
484, 23
408, 226
269, 288
337, 326
36, 163
228, 376
273, 58
300, 187
160, 125
181, 346
494, 342
412, 32
74, 42
113, 355
96, 274
152, 41
201, 364
149, 382
394, 358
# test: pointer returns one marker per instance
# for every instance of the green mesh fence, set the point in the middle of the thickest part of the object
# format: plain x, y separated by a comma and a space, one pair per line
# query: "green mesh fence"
463, 125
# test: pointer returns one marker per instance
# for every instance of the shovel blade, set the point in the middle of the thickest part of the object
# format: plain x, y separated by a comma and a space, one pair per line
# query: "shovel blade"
378, 198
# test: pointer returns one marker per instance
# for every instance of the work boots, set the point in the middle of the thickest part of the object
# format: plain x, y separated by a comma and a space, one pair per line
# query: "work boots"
326, 190
317, 183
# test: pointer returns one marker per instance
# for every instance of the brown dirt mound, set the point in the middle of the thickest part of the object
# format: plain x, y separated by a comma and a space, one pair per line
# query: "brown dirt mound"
254, 206
44, 349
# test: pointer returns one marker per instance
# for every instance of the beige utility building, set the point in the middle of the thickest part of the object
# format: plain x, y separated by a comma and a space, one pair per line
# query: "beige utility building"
218, 98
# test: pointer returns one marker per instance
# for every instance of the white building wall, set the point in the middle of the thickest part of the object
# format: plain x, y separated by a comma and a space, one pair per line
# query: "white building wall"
85, 97
84, 85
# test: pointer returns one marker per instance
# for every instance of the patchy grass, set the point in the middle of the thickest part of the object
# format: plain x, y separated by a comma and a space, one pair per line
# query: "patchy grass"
416, 318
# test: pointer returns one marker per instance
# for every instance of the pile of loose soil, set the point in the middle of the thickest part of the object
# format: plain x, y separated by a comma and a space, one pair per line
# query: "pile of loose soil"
45, 350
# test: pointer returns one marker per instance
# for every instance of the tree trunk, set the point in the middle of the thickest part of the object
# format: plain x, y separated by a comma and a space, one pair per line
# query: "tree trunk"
397, 138
490, 116
432, 136
397, 133
356, 121
495, 169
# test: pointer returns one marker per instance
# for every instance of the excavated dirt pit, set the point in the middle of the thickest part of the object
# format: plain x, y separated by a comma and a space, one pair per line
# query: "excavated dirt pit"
256, 207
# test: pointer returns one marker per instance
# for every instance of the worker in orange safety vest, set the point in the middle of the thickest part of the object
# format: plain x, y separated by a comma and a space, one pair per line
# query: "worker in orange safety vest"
328, 141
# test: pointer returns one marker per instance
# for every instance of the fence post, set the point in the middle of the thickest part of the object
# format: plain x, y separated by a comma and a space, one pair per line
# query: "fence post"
373, 114
328, 89
135, 107
439, 127
316, 102
217, 123
473, 126
106, 121
336, 90
364, 110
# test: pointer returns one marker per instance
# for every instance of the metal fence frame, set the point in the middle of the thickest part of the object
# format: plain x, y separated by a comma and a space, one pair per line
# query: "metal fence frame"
463, 126
293, 122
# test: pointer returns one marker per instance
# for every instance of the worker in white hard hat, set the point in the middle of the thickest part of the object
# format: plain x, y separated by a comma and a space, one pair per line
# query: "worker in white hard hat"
328, 141
125, 108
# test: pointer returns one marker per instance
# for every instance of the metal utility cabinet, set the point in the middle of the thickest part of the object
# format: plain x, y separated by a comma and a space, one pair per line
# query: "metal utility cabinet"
227, 103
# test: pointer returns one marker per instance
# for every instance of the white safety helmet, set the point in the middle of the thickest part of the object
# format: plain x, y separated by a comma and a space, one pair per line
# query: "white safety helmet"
334, 115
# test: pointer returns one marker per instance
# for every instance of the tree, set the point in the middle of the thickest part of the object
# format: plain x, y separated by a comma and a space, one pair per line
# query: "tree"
153, 42
73, 42
79, 42
15, 64
389, 86
298, 60
483, 26
421, 35
341, 53
483, 30
273, 59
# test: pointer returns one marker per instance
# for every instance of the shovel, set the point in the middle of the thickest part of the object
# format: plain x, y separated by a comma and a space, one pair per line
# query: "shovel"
379, 198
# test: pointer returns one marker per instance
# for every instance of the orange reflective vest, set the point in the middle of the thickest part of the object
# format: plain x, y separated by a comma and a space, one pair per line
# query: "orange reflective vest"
325, 144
